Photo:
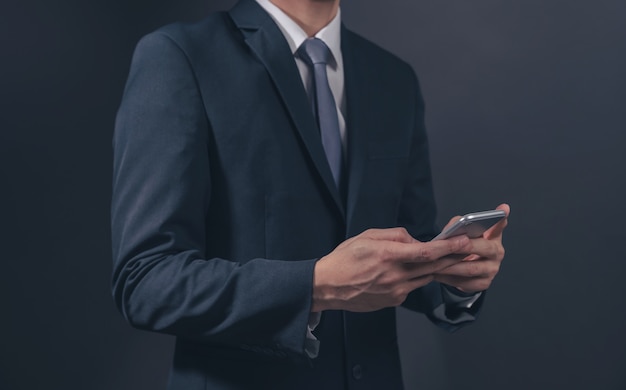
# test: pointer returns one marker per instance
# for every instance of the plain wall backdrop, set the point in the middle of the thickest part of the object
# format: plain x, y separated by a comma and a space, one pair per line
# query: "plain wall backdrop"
526, 103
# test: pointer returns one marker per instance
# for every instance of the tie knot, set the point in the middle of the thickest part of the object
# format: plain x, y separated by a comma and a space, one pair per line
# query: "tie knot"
314, 51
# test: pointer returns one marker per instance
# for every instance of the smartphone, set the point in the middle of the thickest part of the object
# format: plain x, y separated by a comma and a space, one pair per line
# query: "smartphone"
472, 225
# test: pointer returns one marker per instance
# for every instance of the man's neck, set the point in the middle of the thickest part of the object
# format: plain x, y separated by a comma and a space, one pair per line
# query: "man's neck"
311, 15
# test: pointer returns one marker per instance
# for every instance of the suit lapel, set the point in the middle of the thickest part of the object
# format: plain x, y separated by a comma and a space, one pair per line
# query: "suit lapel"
268, 43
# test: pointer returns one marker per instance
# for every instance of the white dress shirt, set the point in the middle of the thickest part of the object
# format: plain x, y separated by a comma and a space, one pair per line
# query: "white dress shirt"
331, 36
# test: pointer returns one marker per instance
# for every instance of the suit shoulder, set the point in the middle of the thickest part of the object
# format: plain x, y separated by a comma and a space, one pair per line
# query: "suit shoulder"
191, 36
365, 48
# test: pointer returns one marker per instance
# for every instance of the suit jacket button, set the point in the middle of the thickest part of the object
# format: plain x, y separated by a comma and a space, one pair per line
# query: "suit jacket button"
357, 371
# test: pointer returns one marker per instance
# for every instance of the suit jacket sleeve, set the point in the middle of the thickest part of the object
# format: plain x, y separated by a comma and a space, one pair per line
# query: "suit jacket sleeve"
417, 213
162, 280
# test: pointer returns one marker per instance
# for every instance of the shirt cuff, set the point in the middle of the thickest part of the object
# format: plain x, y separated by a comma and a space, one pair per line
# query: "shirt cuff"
454, 296
458, 307
311, 343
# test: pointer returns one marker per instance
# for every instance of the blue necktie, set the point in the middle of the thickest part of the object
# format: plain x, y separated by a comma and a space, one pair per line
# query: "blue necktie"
316, 55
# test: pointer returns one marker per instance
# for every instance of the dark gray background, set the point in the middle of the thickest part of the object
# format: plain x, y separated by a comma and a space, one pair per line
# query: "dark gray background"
526, 104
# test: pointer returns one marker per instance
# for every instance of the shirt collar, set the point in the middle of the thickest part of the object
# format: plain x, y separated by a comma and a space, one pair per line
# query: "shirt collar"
295, 35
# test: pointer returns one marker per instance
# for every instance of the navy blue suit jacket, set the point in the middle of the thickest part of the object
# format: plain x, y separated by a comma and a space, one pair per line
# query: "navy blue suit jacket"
223, 201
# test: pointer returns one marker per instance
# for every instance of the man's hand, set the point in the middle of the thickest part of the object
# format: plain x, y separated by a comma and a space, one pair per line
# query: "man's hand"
477, 271
380, 267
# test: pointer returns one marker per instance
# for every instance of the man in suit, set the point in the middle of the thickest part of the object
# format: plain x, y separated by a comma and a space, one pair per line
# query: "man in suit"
234, 231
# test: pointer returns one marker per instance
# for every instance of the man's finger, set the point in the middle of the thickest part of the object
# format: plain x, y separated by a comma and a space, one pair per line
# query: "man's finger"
497, 229
451, 221
435, 267
429, 251
483, 248
471, 269
398, 234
